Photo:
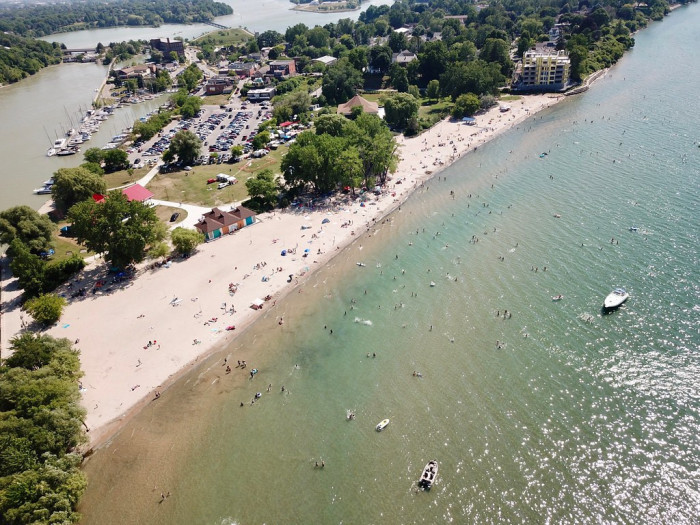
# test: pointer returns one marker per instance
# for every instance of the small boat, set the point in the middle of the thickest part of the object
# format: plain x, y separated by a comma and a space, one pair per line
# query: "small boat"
51, 152
382, 425
429, 475
361, 264
634, 229
67, 151
557, 216
615, 298
43, 191
432, 283
557, 297
350, 415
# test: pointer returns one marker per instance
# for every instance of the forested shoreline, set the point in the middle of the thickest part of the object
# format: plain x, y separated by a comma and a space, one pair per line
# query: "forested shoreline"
42, 20
21, 57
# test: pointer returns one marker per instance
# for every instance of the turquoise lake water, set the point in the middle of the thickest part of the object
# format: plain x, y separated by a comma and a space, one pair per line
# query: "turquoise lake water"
578, 417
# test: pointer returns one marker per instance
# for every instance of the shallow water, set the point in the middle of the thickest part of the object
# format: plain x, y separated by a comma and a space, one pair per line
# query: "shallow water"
577, 417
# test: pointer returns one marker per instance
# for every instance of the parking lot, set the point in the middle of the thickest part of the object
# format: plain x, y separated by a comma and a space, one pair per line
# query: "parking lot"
218, 127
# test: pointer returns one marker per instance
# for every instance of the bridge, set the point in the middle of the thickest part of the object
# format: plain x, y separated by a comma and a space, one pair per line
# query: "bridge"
79, 50
218, 26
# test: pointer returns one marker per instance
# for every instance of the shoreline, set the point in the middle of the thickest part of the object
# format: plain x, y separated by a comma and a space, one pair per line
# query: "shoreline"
122, 373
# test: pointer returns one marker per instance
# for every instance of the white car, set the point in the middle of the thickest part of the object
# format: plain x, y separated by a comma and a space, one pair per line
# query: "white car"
188, 168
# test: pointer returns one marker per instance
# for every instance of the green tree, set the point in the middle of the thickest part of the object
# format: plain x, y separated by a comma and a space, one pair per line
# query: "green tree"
190, 77
341, 82
115, 160
186, 146
332, 124
119, 228
349, 169
236, 151
25, 224
433, 60
433, 90
261, 139
263, 189
72, 185
45, 309
414, 92
29, 269
399, 78
94, 155
185, 241
497, 50
399, 109
380, 57
466, 105
93, 167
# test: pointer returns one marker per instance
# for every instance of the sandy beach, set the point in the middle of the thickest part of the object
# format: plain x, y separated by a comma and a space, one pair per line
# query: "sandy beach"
135, 337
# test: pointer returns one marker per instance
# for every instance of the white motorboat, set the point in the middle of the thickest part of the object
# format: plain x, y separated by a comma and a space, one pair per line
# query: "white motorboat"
59, 144
45, 189
51, 152
429, 475
382, 425
615, 298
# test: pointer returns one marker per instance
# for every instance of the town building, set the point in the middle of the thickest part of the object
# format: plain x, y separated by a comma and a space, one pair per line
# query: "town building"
243, 69
257, 95
166, 46
219, 86
543, 69
283, 68
141, 70
358, 101
218, 222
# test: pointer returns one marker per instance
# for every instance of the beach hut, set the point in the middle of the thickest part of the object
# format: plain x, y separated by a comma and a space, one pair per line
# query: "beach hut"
218, 222
470, 121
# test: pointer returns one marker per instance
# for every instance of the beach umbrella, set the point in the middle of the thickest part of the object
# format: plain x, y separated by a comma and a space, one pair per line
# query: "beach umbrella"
284, 252
325, 221
307, 250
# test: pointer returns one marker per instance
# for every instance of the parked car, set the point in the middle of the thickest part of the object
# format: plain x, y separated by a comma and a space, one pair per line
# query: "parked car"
174, 216
211, 181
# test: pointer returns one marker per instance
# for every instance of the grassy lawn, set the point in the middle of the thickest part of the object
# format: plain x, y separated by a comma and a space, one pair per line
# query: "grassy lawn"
216, 100
510, 97
65, 247
432, 112
121, 178
224, 37
165, 212
191, 187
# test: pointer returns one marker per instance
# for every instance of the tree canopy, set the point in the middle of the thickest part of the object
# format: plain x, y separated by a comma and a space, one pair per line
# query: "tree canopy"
34, 230
400, 109
72, 185
40, 424
120, 229
186, 146
360, 151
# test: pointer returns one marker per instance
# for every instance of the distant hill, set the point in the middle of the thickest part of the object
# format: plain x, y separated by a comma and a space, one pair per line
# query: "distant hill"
45, 19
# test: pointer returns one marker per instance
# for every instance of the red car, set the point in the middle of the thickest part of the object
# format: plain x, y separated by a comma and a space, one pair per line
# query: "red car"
211, 181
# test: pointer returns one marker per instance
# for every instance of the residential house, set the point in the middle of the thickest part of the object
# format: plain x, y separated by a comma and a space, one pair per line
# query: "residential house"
403, 58
218, 222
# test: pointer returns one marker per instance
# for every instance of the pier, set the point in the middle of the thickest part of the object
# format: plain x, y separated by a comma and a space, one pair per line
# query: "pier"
218, 26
